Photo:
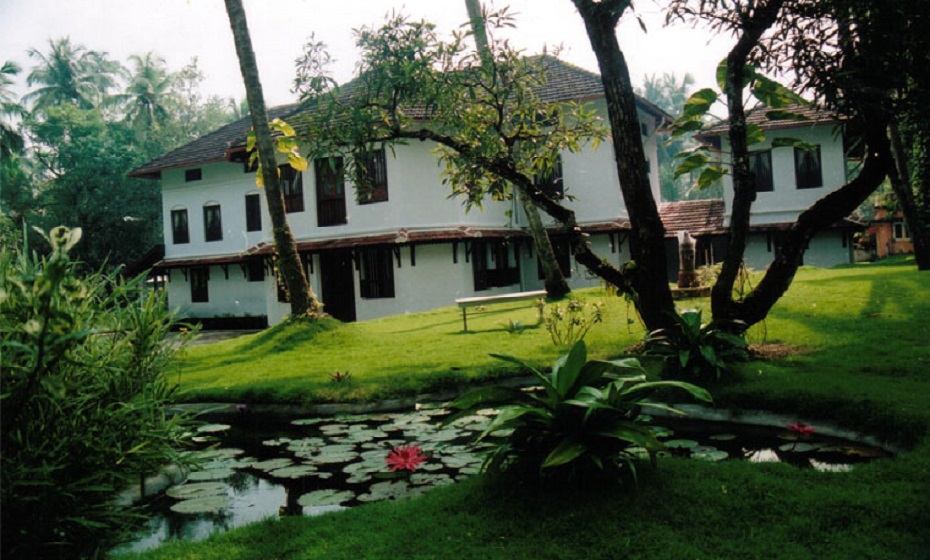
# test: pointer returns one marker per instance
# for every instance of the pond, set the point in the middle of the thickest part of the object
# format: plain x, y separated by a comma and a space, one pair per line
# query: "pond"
257, 466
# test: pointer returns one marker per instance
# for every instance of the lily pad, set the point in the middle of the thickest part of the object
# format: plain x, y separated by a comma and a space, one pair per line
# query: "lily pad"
296, 471
799, 447
328, 497
272, 464
334, 457
213, 428
681, 444
197, 490
723, 437
708, 454
211, 474
390, 489
207, 504
307, 421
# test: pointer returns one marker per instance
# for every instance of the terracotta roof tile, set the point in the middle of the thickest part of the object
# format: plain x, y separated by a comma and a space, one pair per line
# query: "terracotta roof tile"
697, 217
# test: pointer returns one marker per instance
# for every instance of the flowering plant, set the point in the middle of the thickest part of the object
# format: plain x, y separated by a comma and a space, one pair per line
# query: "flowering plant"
405, 458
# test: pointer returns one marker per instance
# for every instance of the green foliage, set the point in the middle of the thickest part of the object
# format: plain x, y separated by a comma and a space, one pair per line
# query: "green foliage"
285, 141
695, 351
84, 399
586, 417
567, 324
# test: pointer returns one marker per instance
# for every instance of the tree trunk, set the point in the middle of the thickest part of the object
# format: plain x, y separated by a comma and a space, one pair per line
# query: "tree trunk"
556, 287
901, 184
649, 281
303, 301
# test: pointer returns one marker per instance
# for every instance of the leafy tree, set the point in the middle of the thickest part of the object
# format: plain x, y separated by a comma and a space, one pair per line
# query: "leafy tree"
11, 140
70, 74
555, 284
303, 301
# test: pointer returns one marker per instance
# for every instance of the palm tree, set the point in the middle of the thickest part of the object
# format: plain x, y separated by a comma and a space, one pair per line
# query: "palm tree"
146, 95
70, 74
11, 141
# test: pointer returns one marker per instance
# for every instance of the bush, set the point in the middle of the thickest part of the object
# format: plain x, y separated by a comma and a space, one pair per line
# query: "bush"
585, 420
695, 351
83, 401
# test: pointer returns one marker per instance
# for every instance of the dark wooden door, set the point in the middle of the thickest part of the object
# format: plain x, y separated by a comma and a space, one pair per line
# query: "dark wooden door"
337, 284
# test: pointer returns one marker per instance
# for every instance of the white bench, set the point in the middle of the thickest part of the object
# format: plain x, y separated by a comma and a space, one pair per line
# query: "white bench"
465, 303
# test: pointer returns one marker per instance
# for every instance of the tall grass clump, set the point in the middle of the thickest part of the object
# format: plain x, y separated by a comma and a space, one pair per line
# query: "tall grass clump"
84, 395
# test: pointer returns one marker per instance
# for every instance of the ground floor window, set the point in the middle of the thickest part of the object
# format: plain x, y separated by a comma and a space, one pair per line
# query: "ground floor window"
255, 269
900, 231
494, 264
376, 273
563, 256
200, 279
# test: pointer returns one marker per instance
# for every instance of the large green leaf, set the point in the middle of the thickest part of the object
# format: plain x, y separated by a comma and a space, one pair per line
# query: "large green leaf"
550, 389
773, 94
709, 177
698, 104
567, 368
694, 390
631, 433
566, 451
691, 163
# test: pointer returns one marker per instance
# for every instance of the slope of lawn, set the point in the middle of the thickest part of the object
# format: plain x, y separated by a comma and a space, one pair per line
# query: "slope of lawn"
388, 357
865, 364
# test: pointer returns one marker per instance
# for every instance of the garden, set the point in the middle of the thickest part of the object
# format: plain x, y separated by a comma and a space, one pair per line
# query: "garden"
845, 348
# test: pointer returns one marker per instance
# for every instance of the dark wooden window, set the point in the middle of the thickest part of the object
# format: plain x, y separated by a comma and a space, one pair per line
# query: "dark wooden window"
807, 168
373, 185
550, 182
563, 256
376, 273
212, 223
179, 231
760, 164
193, 175
200, 280
255, 269
292, 187
493, 265
330, 191
253, 212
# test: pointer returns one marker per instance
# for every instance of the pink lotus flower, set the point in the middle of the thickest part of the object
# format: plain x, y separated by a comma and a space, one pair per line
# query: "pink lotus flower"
801, 428
405, 458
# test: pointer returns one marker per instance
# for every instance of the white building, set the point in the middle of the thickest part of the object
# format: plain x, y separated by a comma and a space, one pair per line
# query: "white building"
408, 247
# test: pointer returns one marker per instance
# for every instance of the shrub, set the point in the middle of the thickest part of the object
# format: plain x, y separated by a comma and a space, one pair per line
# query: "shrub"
83, 403
585, 419
695, 351
570, 323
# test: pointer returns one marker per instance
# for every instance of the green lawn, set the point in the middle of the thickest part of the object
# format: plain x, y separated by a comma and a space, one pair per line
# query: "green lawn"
866, 365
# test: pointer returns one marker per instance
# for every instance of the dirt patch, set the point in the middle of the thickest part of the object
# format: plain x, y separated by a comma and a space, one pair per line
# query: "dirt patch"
776, 351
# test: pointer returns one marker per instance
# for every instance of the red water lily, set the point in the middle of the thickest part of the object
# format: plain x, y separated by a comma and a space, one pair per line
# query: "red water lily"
405, 458
801, 428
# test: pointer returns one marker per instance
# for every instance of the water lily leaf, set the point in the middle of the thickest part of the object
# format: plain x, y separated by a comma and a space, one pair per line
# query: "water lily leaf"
208, 504
661, 432
272, 464
418, 479
308, 421
681, 444
296, 471
389, 489
198, 490
705, 453
213, 428
276, 442
334, 429
723, 437
335, 457
329, 497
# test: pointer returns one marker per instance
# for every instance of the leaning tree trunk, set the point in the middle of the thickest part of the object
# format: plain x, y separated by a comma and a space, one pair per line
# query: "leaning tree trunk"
901, 184
649, 281
303, 301
556, 287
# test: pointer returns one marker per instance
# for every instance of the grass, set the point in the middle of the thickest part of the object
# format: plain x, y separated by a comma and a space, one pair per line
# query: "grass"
390, 357
866, 366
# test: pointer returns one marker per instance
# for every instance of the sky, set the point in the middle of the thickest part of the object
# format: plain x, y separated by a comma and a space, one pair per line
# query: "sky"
179, 30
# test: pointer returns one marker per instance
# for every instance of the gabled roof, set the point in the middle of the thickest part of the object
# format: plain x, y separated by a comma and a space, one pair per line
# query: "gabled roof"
564, 82
810, 116
697, 217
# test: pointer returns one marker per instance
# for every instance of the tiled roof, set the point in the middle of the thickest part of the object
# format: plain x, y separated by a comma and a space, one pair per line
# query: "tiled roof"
813, 115
564, 82
697, 217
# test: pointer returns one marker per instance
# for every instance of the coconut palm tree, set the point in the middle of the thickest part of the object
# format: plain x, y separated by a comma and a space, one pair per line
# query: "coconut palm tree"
11, 141
147, 93
70, 74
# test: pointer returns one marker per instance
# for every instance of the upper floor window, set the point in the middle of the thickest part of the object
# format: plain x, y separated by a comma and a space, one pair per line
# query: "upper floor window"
807, 168
292, 187
760, 165
253, 212
550, 181
179, 231
212, 222
193, 175
330, 191
200, 280
376, 273
373, 185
